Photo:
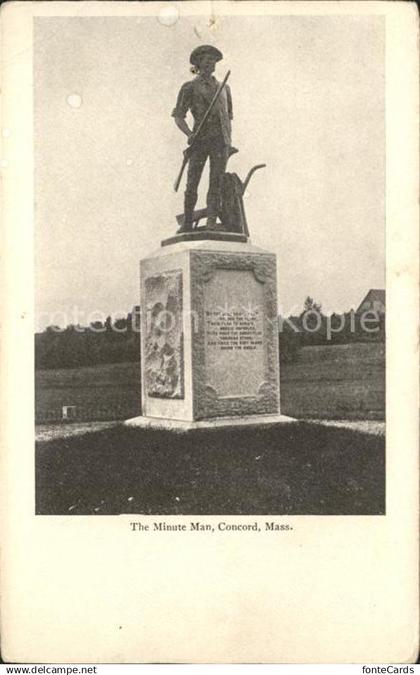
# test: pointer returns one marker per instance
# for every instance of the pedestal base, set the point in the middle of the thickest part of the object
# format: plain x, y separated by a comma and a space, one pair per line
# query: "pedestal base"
216, 423
209, 333
204, 235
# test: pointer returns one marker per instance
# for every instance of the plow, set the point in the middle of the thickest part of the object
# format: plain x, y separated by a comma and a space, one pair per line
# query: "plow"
232, 212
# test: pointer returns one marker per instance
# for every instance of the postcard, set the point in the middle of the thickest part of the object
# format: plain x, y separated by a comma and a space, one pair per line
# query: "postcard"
209, 332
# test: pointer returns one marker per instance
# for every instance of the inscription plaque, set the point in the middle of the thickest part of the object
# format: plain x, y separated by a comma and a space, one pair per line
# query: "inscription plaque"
234, 329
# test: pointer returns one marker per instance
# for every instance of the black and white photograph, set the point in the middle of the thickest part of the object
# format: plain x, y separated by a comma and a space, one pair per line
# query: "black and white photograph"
242, 370
209, 346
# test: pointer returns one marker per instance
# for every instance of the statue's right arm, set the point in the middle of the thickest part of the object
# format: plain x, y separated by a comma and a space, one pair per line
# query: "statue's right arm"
181, 124
183, 104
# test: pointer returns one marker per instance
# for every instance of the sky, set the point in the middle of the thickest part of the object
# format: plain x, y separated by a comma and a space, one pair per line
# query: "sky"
308, 100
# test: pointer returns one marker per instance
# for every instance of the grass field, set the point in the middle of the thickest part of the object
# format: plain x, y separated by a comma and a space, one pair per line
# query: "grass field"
108, 392
297, 468
335, 382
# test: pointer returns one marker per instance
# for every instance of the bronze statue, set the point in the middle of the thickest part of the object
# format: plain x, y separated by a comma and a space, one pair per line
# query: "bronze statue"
210, 104
207, 100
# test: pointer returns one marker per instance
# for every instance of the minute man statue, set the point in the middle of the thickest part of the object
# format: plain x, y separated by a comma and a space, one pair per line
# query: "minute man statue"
210, 104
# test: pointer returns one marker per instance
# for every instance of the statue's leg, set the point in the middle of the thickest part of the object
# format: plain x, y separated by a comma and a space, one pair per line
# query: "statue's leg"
195, 169
219, 154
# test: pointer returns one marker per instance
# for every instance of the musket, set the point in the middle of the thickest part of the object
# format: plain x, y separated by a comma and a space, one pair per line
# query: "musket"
197, 131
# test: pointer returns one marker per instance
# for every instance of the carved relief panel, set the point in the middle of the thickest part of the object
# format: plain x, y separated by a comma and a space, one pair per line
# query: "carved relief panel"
163, 342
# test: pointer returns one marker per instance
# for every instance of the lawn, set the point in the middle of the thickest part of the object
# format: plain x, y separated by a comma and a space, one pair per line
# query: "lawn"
103, 392
341, 382
297, 468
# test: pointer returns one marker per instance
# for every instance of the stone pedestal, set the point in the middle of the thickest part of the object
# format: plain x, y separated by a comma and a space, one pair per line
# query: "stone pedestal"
209, 335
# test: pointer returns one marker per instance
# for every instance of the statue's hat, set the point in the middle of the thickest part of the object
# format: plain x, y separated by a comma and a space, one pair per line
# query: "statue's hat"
198, 52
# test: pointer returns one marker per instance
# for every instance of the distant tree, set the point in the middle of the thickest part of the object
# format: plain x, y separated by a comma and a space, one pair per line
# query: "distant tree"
312, 323
120, 325
97, 326
289, 343
311, 306
74, 328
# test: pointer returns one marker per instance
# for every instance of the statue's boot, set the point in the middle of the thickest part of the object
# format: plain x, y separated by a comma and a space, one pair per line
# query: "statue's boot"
212, 224
187, 227
189, 205
213, 208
